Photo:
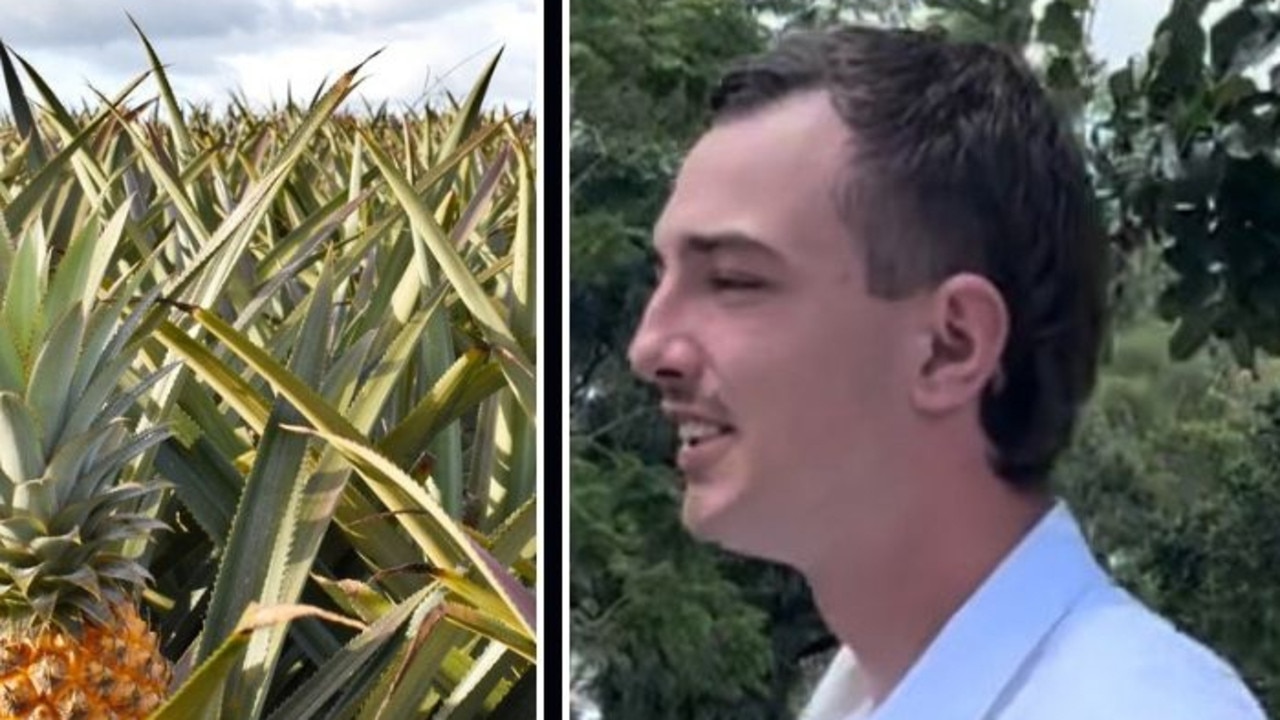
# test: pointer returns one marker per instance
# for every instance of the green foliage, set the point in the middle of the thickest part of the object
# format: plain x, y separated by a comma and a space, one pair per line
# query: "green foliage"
654, 612
1186, 156
1174, 476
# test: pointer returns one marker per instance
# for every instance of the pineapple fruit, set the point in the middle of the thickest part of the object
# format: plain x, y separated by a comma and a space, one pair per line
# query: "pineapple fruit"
72, 641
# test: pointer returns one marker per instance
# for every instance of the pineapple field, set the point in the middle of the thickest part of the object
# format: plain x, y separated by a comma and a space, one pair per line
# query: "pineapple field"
267, 406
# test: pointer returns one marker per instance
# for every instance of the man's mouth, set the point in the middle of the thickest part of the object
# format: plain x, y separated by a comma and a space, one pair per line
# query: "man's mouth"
693, 433
702, 444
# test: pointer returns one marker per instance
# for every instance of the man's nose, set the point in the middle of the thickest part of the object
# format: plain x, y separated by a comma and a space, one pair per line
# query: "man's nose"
662, 352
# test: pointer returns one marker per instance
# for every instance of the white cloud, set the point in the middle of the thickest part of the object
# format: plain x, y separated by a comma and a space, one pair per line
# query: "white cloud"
263, 47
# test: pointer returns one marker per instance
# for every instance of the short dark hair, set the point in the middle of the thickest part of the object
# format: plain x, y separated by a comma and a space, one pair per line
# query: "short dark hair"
963, 164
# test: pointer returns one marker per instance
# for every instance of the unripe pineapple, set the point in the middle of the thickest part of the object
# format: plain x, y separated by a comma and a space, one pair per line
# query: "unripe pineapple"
72, 642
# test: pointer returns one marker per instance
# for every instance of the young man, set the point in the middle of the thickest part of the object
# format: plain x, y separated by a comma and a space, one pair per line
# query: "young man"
879, 311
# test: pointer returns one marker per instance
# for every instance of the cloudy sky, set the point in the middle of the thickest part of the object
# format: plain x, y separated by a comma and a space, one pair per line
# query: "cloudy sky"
212, 47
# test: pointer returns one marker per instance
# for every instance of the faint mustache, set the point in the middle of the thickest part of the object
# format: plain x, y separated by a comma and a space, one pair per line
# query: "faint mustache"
689, 403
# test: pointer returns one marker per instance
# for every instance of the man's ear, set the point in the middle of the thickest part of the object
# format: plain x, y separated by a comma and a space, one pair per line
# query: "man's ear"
967, 325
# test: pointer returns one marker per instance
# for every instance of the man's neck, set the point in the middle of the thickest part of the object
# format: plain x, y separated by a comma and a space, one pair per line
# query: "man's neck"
888, 602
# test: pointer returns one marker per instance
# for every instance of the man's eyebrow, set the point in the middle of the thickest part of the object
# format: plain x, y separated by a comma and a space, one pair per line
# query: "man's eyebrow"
730, 241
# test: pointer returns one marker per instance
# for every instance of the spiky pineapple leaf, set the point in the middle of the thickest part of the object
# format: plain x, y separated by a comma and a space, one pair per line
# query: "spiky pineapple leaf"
35, 498
355, 597
202, 690
12, 374
444, 544
469, 113
263, 531
377, 541
25, 205
248, 403
524, 274
516, 533
23, 312
182, 136
81, 270
472, 378
20, 456
494, 666
205, 481
335, 676
438, 534
427, 231
105, 469
12, 167
48, 389
21, 109
6, 489
428, 641
486, 614
517, 441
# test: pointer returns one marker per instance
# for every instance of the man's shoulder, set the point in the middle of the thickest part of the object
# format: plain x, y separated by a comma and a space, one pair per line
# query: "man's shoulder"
1112, 657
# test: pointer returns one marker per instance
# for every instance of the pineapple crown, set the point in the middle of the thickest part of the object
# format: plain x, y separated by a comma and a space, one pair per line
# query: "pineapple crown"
65, 437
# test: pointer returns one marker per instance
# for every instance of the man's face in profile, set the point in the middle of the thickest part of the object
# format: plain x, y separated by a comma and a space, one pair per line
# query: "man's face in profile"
788, 382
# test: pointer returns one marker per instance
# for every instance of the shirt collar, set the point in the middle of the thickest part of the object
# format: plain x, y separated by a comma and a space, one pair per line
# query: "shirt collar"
981, 648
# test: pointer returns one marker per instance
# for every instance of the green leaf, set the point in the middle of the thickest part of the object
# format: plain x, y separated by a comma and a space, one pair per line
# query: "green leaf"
240, 395
355, 597
493, 666
12, 375
33, 497
20, 456
48, 389
515, 533
205, 481
278, 504
515, 364
1060, 27
1241, 38
1061, 74
524, 266
201, 692
182, 136
81, 270
22, 117
373, 394
469, 112
1193, 330
24, 207
444, 543
521, 701
24, 314
491, 626
472, 378
517, 442
334, 676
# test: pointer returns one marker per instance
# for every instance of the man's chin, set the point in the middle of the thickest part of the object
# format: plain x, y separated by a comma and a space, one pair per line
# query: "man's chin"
701, 515
722, 522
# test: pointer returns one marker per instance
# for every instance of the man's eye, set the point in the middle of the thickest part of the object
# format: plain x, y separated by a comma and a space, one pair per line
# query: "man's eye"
736, 282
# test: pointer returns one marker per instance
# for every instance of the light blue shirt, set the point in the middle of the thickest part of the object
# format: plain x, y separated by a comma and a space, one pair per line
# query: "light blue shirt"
1048, 636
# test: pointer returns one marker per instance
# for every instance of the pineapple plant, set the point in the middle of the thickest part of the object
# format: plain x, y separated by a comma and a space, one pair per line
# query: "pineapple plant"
348, 341
73, 643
